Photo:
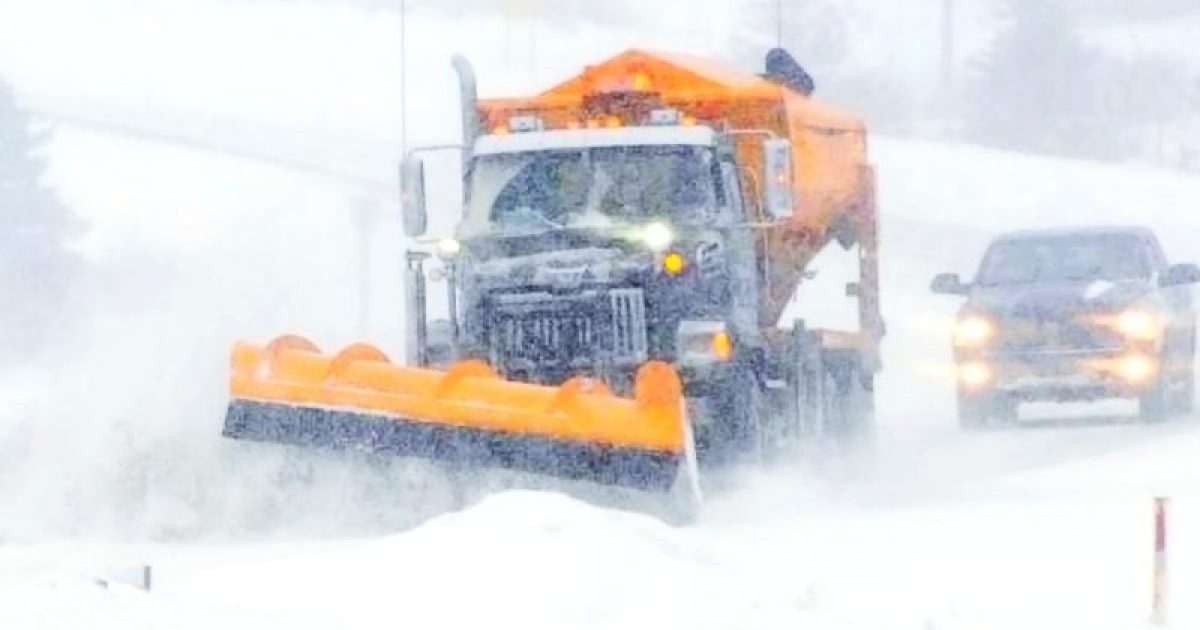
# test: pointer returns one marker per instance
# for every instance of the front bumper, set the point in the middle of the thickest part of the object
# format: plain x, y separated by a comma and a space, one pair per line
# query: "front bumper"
1060, 375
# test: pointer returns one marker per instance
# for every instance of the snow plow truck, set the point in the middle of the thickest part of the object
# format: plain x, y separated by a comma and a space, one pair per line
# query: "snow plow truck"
628, 242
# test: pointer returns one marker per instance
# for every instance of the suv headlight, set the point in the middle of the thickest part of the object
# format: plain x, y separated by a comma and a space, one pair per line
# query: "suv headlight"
1138, 324
972, 331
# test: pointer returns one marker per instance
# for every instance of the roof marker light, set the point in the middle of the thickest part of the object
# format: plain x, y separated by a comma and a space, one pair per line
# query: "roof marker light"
521, 124
664, 117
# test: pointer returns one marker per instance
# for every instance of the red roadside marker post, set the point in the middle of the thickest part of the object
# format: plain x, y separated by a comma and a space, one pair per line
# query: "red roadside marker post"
1159, 605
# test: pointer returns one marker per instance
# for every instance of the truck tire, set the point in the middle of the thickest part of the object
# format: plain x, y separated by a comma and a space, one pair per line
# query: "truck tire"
849, 399
734, 428
750, 415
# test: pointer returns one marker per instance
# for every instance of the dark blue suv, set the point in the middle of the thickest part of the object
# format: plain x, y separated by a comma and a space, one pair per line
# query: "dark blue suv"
1074, 314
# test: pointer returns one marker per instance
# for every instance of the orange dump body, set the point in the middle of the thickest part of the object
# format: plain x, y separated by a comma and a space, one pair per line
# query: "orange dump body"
831, 176
288, 391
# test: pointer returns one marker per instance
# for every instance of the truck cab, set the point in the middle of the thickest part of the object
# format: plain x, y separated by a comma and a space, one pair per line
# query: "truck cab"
594, 251
653, 208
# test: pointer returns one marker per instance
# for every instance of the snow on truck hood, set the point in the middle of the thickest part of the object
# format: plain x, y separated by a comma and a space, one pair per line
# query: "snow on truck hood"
588, 138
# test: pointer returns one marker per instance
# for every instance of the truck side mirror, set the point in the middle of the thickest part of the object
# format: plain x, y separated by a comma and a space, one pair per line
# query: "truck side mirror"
1176, 275
777, 158
412, 195
948, 284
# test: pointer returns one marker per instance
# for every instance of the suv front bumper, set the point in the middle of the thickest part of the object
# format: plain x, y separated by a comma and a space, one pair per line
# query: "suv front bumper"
1060, 375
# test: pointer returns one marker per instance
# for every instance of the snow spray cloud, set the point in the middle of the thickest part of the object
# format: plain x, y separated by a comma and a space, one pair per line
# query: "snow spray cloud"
188, 250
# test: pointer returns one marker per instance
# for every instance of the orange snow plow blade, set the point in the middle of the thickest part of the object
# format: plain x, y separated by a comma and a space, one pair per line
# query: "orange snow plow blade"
289, 392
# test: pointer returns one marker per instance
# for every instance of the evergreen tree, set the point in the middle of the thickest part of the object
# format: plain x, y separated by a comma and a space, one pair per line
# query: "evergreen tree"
36, 266
1036, 88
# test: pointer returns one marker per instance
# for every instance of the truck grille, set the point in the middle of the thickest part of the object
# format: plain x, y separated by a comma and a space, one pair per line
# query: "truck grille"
543, 331
628, 324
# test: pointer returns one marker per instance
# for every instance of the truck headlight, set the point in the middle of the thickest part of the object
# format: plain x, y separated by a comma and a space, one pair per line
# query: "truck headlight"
657, 236
1139, 325
448, 248
972, 331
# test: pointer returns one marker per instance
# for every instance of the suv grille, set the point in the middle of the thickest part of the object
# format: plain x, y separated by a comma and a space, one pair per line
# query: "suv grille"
1033, 335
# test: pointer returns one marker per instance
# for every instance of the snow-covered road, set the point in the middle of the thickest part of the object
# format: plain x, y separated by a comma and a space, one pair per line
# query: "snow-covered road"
109, 455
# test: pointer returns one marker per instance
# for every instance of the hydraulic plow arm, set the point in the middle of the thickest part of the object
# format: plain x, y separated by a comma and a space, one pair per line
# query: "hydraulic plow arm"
289, 392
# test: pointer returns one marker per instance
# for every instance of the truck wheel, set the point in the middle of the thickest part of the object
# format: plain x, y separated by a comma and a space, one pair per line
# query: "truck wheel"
805, 409
734, 428
751, 413
849, 399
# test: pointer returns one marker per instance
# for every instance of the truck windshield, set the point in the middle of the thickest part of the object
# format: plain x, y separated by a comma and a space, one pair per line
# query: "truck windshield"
1065, 259
594, 187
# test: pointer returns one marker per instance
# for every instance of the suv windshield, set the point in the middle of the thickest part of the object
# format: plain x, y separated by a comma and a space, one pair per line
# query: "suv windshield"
1064, 259
594, 187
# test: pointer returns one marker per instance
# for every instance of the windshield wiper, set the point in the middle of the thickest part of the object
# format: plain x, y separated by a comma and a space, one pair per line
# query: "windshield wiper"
528, 213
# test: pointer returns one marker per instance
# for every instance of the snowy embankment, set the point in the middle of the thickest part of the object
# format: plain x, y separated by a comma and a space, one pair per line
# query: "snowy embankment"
1030, 552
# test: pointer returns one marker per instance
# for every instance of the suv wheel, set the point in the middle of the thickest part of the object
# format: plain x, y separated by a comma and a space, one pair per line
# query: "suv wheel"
1183, 399
976, 410
1154, 404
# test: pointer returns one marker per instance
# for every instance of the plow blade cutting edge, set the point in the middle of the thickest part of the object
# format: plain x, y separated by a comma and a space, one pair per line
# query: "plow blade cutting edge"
289, 392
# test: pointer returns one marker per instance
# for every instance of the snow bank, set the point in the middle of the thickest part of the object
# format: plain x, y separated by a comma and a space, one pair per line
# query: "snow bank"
517, 559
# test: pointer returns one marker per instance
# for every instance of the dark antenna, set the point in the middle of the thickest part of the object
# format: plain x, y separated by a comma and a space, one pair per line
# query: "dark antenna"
947, 42
779, 23
403, 81
783, 69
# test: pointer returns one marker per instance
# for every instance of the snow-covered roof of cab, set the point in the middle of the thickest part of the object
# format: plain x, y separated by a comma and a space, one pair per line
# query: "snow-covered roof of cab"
590, 138
1086, 230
